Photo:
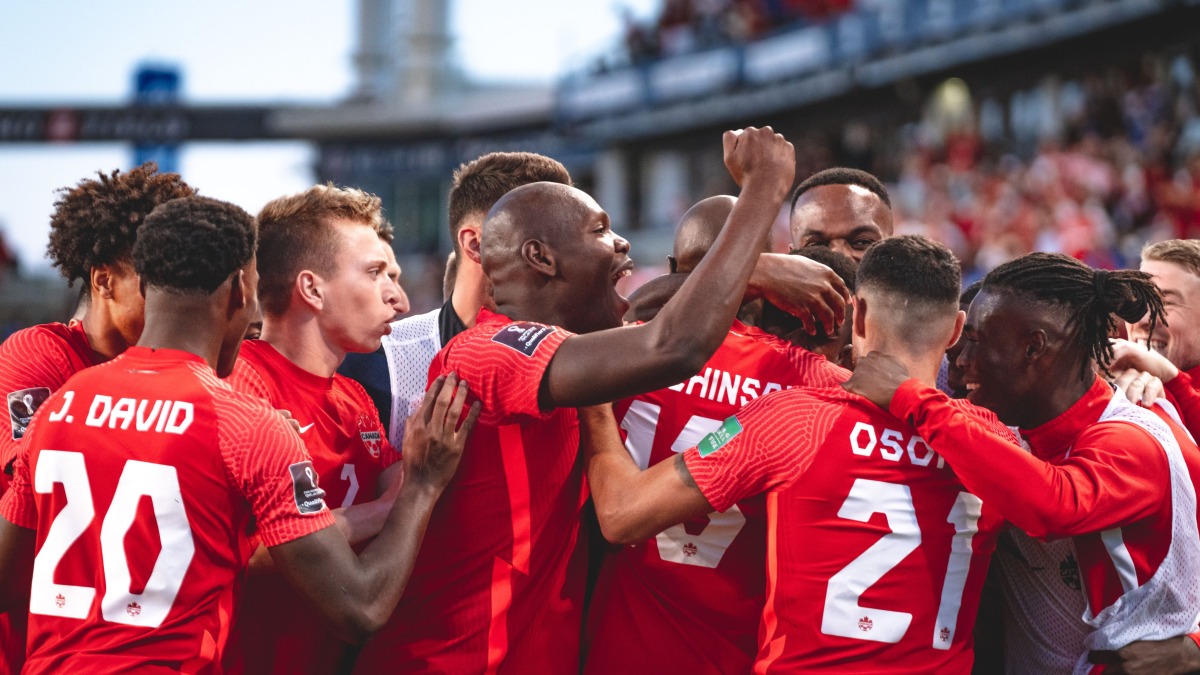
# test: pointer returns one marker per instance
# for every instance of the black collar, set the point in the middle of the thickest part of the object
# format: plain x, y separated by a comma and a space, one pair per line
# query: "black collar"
449, 324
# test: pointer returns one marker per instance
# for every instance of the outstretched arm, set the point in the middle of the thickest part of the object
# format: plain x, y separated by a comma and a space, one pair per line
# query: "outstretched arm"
633, 505
358, 593
1106, 480
677, 343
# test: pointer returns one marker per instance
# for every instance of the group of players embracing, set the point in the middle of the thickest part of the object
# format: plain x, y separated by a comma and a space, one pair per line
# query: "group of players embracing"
760, 462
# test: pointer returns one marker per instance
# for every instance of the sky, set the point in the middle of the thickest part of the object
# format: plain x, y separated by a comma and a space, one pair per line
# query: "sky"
247, 51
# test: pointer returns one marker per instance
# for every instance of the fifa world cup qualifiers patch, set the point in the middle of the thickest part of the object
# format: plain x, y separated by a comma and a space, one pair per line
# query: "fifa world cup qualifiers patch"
309, 497
21, 407
717, 439
524, 336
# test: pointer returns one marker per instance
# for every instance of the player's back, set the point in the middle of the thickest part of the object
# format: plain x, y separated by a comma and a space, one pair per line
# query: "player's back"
876, 554
691, 597
141, 521
498, 584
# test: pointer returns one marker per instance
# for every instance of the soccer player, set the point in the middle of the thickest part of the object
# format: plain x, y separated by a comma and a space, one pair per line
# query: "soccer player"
1099, 466
1170, 352
689, 599
501, 589
370, 369
875, 553
413, 341
92, 231
141, 478
843, 209
325, 292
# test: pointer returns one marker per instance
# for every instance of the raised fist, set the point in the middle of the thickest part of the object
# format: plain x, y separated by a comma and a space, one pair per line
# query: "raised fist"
760, 156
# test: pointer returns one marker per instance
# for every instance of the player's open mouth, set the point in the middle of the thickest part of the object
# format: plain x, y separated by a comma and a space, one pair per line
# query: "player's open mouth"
623, 271
971, 386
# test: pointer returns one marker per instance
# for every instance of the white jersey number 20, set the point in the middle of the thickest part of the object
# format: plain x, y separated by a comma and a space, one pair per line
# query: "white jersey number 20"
160, 483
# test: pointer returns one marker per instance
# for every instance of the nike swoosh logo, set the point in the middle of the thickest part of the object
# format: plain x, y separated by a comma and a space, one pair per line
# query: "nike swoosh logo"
306, 428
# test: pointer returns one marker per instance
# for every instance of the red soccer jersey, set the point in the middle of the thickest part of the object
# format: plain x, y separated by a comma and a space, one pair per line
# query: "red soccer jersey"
34, 363
690, 599
143, 477
1183, 393
498, 584
1095, 474
276, 630
876, 555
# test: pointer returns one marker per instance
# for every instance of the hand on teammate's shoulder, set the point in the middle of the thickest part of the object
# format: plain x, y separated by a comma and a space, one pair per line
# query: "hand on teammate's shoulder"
876, 377
433, 438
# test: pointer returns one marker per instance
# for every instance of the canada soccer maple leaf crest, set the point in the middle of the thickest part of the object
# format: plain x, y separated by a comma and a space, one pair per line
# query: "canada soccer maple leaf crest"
60, 600
865, 624
944, 633
689, 549
133, 609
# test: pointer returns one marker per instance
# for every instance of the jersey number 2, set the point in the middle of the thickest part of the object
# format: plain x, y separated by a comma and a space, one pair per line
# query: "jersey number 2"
675, 544
844, 616
160, 483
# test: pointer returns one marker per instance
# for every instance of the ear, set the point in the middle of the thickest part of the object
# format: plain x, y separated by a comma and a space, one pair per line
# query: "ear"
102, 281
469, 242
537, 255
1037, 345
859, 319
309, 288
237, 293
959, 321
846, 356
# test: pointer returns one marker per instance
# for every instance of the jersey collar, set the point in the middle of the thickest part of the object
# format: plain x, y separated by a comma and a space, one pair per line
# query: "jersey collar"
1054, 438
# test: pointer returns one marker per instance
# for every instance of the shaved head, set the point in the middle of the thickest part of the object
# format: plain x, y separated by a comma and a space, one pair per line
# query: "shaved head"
535, 211
698, 229
551, 256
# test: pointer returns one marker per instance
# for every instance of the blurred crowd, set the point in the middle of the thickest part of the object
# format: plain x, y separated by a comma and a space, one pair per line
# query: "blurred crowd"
1091, 167
684, 26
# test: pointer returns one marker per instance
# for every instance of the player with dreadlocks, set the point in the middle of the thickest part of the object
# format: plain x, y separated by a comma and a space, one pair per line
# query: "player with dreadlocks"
1098, 467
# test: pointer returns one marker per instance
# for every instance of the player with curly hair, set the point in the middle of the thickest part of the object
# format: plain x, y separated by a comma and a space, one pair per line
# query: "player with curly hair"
92, 232
220, 468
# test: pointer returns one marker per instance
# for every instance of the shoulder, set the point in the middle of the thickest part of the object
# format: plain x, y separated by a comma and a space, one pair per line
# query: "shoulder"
37, 341
40, 356
799, 408
501, 336
985, 417
236, 411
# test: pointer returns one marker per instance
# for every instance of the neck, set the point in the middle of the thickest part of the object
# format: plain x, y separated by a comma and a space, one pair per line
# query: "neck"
102, 334
185, 323
1046, 405
299, 338
469, 291
922, 366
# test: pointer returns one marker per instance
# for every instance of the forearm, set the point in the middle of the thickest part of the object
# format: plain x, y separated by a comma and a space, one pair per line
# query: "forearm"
387, 562
630, 504
356, 594
699, 315
1054, 501
360, 522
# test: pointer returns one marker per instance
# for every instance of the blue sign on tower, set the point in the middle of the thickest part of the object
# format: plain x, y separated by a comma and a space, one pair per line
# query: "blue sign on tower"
157, 85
